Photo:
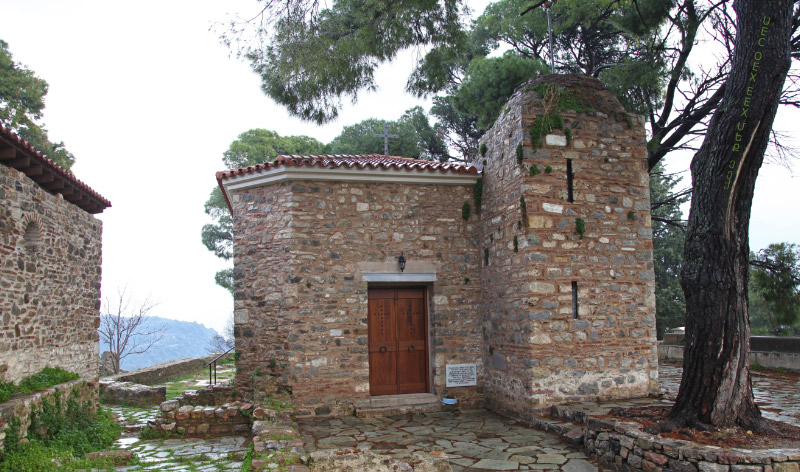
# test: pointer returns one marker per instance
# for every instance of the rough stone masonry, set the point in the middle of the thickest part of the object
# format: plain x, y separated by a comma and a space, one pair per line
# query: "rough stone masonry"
546, 286
50, 254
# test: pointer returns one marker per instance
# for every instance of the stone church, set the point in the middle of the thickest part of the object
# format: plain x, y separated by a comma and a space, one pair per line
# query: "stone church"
518, 282
50, 259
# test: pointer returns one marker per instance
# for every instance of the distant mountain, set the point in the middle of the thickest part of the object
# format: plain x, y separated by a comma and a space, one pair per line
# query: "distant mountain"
181, 339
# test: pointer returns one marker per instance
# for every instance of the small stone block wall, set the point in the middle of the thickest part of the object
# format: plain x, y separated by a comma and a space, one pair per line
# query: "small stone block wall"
767, 360
83, 391
197, 413
50, 254
162, 372
787, 344
624, 446
127, 393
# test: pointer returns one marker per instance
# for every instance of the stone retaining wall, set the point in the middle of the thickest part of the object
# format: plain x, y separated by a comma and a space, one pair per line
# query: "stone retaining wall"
786, 344
624, 446
212, 411
766, 359
20, 406
159, 373
127, 393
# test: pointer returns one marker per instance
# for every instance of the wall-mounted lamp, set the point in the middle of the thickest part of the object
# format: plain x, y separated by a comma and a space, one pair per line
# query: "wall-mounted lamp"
401, 261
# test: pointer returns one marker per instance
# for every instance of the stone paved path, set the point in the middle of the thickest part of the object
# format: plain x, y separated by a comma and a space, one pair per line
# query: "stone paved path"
776, 393
473, 440
195, 454
186, 454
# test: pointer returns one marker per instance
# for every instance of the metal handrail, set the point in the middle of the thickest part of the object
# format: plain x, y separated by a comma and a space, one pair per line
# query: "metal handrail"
214, 361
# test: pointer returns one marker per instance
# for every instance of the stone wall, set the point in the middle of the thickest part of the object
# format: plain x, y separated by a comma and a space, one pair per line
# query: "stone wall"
538, 350
160, 373
625, 447
212, 411
84, 392
622, 445
302, 249
50, 254
131, 394
767, 360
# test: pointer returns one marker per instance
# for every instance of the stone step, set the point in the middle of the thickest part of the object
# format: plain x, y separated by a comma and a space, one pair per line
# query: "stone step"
388, 405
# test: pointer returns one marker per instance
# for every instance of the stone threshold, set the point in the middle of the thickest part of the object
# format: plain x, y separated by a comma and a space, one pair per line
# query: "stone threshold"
624, 446
388, 405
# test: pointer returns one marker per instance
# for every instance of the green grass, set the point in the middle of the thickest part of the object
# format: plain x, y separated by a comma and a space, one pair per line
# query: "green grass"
45, 378
247, 465
178, 385
276, 404
147, 433
283, 458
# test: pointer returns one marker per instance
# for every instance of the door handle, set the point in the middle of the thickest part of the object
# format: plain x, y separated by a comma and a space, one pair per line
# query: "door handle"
383, 349
410, 348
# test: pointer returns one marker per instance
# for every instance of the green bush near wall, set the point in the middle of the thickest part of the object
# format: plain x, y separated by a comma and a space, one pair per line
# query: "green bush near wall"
45, 378
62, 429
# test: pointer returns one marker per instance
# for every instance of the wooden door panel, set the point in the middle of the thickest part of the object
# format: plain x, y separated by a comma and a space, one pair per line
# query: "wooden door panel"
411, 346
398, 352
382, 327
411, 372
410, 315
382, 324
383, 373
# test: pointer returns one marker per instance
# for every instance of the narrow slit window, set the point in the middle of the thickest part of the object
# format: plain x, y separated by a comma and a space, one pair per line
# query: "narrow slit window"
575, 300
569, 181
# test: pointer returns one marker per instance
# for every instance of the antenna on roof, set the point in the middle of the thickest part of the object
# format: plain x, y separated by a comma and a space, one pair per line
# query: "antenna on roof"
386, 137
546, 5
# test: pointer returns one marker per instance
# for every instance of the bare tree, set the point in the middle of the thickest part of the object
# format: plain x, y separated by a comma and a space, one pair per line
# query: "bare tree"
124, 327
222, 342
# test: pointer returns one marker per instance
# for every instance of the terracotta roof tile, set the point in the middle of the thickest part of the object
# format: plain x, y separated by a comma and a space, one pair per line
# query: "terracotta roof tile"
372, 161
349, 161
17, 153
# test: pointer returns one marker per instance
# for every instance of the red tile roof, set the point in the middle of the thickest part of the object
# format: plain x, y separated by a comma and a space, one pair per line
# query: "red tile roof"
19, 154
347, 161
350, 161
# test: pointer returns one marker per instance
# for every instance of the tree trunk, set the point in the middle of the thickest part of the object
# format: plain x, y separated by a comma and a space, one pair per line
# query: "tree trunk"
715, 387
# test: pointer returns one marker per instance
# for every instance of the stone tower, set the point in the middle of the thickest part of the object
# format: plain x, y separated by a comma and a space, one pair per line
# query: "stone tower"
567, 286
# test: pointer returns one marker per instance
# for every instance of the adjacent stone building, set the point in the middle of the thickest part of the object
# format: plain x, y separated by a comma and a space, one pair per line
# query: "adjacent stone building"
50, 253
521, 281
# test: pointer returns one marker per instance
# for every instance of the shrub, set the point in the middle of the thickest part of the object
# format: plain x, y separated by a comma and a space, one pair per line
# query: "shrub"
477, 194
6, 389
59, 431
46, 378
580, 227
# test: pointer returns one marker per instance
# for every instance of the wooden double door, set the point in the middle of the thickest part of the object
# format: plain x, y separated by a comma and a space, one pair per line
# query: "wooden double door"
398, 340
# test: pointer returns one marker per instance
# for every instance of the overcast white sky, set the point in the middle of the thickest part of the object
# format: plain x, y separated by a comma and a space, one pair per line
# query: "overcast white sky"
147, 99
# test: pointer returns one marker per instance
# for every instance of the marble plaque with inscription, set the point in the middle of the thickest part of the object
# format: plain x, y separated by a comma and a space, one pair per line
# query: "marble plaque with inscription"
461, 375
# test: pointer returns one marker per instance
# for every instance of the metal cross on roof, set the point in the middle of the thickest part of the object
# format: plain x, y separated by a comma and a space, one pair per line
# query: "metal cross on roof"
386, 137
